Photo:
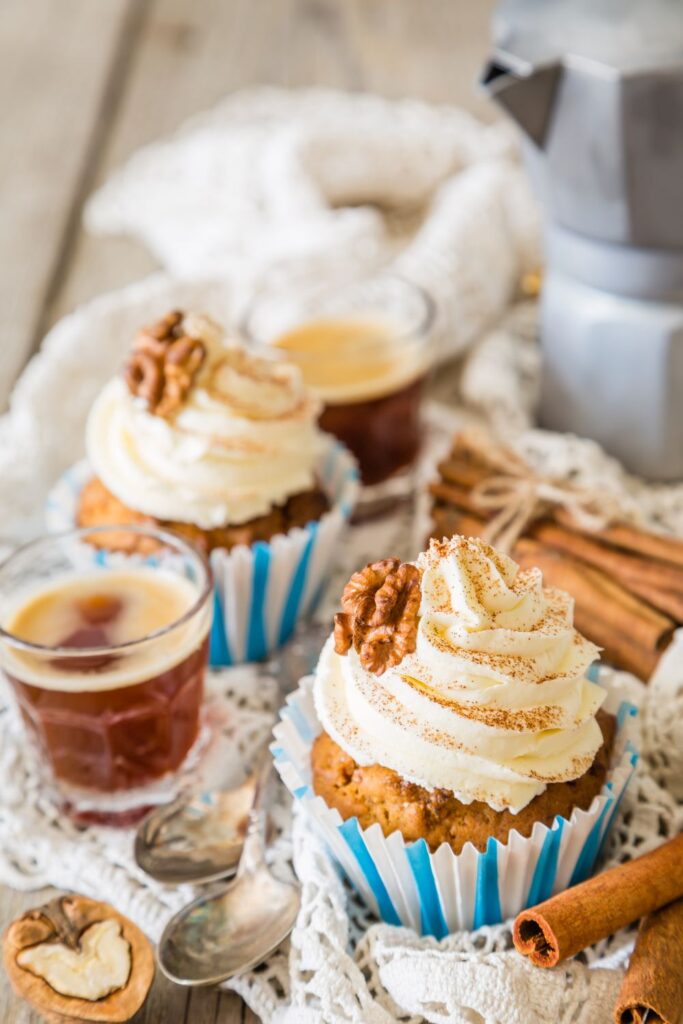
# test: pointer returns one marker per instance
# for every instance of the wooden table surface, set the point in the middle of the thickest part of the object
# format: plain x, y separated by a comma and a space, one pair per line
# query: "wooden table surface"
85, 83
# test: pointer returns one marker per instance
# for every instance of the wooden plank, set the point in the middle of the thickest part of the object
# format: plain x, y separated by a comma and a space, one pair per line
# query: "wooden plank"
194, 54
55, 62
203, 1004
166, 1003
433, 50
12, 904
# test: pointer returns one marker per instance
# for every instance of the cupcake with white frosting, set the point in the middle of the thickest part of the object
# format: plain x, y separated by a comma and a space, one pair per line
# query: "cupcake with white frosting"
461, 763
203, 437
219, 444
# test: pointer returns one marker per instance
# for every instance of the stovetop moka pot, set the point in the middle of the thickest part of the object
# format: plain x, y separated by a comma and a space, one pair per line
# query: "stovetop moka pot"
596, 87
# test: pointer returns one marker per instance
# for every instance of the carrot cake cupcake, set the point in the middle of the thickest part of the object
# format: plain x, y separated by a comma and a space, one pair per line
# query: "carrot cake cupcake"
202, 437
455, 702
451, 713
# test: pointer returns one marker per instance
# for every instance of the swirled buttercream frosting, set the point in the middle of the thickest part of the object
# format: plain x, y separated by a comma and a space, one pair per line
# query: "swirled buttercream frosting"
243, 439
493, 703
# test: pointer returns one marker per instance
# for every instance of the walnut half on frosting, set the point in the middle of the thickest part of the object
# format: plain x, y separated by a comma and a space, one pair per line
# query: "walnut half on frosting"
163, 364
381, 605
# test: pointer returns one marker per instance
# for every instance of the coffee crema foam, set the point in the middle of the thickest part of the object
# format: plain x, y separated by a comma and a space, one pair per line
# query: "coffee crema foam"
124, 606
244, 439
494, 703
354, 359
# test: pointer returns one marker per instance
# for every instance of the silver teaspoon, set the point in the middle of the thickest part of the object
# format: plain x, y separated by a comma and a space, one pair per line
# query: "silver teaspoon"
234, 928
195, 839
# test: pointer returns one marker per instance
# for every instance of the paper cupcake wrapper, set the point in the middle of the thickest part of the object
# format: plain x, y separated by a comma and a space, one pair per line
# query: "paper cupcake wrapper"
443, 892
261, 591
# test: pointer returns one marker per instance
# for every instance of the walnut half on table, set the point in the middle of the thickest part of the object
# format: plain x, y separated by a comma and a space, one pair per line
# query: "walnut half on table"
77, 960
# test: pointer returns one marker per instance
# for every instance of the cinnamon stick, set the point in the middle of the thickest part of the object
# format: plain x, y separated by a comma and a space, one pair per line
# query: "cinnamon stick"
478, 448
629, 569
454, 494
650, 627
631, 633
445, 523
664, 548
654, 979
565, 924
458, 522
668, 601
466, 474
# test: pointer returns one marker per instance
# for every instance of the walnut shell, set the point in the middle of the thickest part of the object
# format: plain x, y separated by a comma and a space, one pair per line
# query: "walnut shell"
64, 921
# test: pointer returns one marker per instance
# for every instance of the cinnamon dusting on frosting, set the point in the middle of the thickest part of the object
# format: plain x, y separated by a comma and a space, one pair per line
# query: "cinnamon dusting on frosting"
545, 716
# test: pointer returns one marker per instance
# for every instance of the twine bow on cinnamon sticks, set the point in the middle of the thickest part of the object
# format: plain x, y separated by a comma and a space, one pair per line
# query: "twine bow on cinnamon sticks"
627, 582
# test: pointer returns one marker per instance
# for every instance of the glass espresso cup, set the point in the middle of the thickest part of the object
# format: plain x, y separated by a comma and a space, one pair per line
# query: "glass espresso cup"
366, 351
105, 654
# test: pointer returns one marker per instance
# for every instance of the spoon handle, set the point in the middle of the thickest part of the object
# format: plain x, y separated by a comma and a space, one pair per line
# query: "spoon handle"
253, 851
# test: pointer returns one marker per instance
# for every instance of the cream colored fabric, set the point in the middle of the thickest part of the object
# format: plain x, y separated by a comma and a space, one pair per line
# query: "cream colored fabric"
300, 188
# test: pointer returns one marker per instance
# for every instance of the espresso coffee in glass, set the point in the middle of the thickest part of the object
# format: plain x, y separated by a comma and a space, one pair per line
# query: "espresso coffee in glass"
365, 350
106, 655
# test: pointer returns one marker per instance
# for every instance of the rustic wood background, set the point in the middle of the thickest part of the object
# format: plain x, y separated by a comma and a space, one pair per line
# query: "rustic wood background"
86, 82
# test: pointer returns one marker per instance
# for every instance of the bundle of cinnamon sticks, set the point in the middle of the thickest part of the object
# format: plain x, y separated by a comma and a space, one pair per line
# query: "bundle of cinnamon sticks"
627, 582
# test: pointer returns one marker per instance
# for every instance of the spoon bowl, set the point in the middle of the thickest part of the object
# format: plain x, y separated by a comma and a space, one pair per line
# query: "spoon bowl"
194, 840
221, 935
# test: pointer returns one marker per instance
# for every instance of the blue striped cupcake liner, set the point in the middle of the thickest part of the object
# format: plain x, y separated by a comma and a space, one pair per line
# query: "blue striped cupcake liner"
442, 892
262, 591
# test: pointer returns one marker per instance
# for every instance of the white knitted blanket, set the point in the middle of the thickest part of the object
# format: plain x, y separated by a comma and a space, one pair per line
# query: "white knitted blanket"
295, 186
316, 185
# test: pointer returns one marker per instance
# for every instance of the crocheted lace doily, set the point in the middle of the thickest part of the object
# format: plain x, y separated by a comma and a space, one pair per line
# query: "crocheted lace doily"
309, 184
340, 967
